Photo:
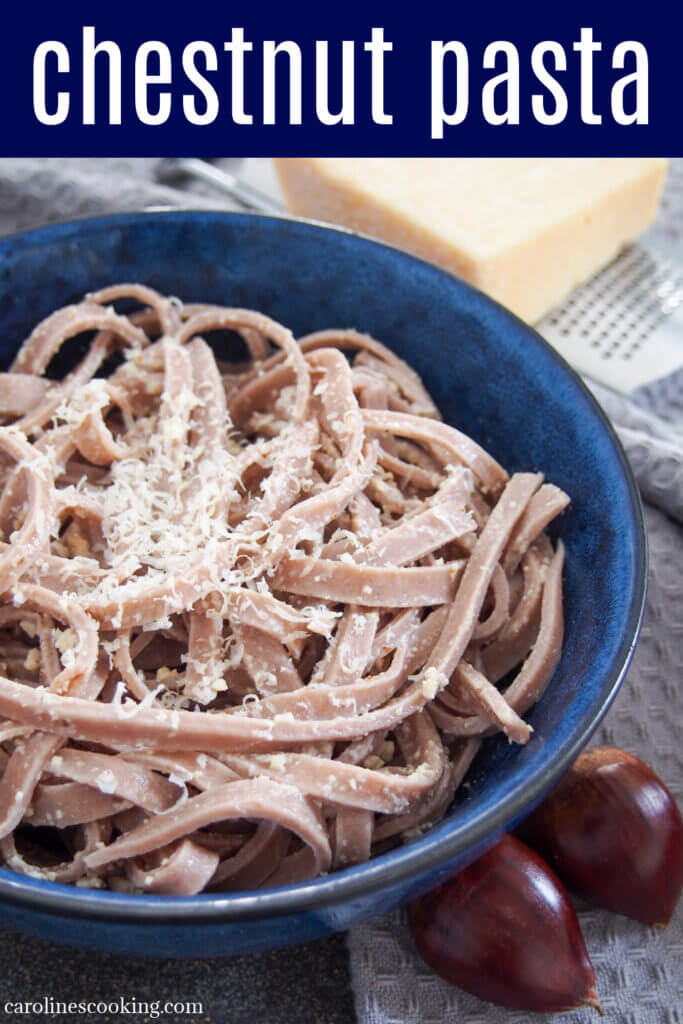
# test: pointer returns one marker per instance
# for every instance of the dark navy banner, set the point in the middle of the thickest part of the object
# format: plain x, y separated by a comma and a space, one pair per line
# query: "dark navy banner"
258, 79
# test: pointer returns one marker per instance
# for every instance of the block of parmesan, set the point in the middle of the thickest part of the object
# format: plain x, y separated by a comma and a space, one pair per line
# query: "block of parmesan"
524, 230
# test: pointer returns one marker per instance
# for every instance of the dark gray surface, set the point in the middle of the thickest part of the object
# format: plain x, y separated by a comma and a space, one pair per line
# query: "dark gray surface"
306, 984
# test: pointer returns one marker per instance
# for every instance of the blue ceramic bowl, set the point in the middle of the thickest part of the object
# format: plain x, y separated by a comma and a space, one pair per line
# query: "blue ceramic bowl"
493, 377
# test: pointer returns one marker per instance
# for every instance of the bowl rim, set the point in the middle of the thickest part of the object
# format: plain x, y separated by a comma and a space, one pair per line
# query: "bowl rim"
426, 853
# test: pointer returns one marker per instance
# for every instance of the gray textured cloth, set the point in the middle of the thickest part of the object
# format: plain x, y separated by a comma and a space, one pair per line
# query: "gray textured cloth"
40, 190
638, 969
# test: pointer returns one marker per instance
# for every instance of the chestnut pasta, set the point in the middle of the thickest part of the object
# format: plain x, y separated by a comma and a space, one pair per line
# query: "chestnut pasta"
254, 616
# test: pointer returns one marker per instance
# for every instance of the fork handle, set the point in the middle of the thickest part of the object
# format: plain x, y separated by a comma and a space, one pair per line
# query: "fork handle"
173, 168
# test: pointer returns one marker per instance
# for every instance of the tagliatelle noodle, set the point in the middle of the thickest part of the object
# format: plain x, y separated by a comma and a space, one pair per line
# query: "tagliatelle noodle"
256, 619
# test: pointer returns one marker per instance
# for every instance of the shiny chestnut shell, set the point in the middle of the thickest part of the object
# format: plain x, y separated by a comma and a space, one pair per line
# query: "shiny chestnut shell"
505, 930
613, 833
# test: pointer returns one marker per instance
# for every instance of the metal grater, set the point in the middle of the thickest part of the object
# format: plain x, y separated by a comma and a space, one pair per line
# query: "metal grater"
624, 327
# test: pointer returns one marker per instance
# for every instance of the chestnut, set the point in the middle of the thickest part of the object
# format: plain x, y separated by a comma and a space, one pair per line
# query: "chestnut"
613, 833
505, 930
